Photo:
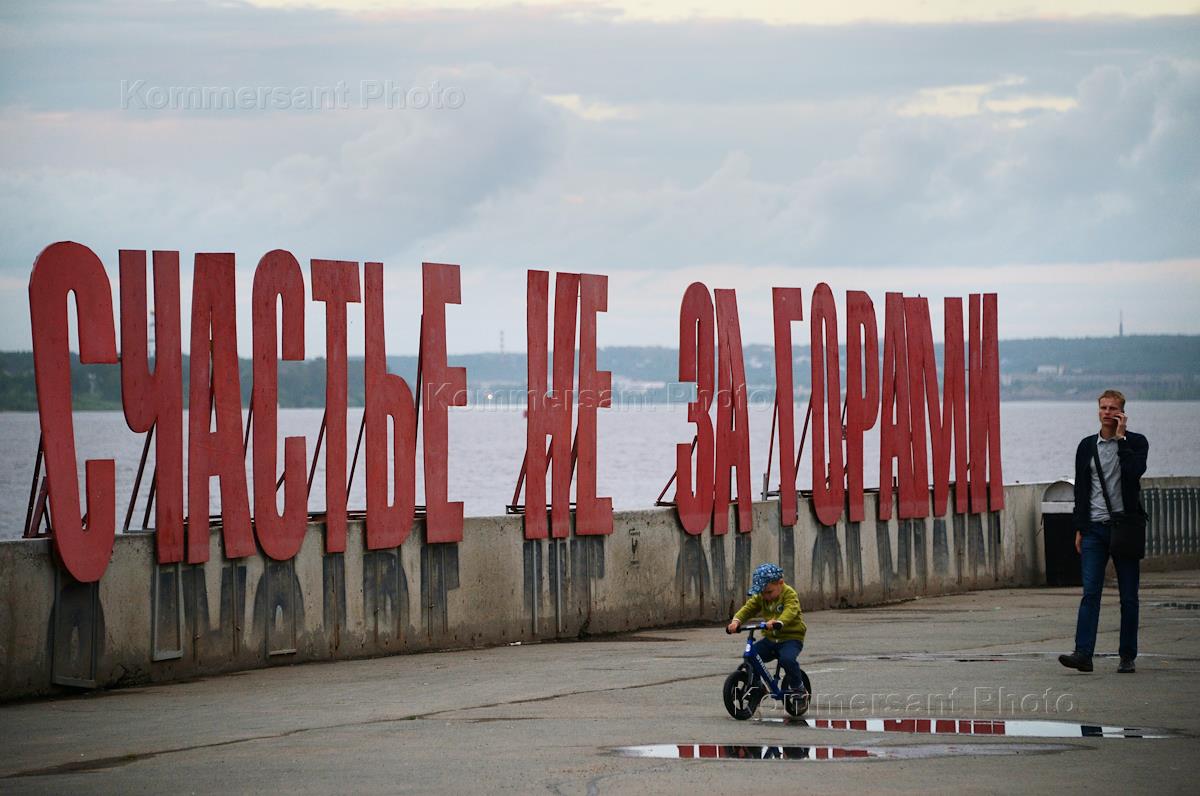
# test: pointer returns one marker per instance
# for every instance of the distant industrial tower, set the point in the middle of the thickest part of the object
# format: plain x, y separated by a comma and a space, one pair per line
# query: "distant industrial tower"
501, 341
1120, 326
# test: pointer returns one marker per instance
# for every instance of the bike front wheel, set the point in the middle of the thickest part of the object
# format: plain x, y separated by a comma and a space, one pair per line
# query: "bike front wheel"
741, 694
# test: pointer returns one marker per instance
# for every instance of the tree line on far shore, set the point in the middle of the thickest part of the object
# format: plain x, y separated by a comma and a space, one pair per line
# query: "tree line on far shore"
1144, 367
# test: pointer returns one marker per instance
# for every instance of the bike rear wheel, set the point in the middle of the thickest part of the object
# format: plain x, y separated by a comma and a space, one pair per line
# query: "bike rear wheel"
797, 704
741, 694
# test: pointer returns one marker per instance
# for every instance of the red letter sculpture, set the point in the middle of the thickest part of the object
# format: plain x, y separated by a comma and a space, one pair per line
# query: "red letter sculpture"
862, 391
789, 306
217, 452
947, 419
828, 479
154, 400
537, 289
895, 438
593, 515
278, 278
387, 395
60, 269
444, 387
985, 408
697, 332
733, 426
335, 282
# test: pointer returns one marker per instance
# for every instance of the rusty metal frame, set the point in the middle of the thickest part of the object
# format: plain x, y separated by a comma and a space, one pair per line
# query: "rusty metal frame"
39, 506
771, 493
137, 482
312, 471
659, 501
516, 506
33, 487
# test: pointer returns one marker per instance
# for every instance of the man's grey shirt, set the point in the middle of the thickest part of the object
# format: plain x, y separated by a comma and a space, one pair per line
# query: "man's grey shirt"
1107, 448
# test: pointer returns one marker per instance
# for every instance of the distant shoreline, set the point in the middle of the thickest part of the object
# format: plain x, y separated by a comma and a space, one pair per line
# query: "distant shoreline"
1144, 367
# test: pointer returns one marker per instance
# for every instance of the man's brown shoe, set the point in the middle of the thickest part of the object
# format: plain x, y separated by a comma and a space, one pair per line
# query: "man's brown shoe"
1076, 660
1126, 666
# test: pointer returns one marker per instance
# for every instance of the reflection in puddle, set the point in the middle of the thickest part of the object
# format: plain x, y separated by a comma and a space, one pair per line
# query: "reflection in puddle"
703, 751
1008, 728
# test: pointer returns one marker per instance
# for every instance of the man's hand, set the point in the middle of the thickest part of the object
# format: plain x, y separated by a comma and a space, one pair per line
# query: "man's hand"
733, 626
1122, 420
1079, 542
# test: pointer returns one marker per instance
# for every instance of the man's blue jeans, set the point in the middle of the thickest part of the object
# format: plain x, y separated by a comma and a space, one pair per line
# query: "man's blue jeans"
1093, 560
786, 652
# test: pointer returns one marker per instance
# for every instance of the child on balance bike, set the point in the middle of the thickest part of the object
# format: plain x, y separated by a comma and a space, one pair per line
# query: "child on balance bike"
777, 603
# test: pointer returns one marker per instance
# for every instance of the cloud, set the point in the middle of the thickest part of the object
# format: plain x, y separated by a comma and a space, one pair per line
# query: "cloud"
1108, 176
789, 13
592, 111
586, 141
383, 180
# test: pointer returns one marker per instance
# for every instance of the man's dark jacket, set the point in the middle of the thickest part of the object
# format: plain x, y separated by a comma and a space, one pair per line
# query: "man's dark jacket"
1131, 456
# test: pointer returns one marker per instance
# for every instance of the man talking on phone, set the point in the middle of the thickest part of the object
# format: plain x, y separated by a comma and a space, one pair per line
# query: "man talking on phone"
1108, 469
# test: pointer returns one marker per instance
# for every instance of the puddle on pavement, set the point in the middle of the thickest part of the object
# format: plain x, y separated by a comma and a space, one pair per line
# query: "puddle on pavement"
704, 751
1017, 728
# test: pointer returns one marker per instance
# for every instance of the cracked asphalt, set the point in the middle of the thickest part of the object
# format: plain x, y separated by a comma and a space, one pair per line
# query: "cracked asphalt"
553, 717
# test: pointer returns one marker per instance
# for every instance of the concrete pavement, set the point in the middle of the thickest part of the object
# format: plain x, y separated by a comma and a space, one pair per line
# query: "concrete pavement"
548, 717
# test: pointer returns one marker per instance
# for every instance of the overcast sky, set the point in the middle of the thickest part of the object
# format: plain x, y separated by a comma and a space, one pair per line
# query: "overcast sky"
1047, 152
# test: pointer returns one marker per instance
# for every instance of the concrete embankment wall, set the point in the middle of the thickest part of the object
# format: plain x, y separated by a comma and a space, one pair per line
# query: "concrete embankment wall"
145, 623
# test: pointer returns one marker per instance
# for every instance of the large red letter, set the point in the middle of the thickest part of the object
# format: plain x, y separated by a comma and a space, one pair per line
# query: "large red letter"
537, 289
60, 269
788, 306
387, 395
985, 408
954, 406
697, 330
444, 387
828, 483
562, 401
217, 452
593, 515
335, 282
895, 438
921, 364
733, 425
947, 424
155, 399
862, 390
278, 278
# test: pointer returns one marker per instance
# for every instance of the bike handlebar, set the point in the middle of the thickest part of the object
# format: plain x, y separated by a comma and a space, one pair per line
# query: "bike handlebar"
748, 627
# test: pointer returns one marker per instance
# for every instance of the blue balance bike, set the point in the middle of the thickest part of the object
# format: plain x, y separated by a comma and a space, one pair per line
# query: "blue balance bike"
751, 683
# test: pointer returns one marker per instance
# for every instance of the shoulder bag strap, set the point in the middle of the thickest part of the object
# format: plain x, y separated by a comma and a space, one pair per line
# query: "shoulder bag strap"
1100, 470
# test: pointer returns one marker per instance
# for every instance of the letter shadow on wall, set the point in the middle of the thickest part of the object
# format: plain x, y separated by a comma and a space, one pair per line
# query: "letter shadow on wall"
333, 587
278, 608
439, 576
76, 631
827, 561
385, 596
572, 566
696, 580
220, 644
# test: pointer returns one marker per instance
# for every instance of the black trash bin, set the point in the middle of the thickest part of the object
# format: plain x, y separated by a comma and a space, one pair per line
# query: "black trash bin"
1058, 535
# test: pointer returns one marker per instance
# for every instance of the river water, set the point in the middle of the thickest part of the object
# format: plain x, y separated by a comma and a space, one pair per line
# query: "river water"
636, 450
